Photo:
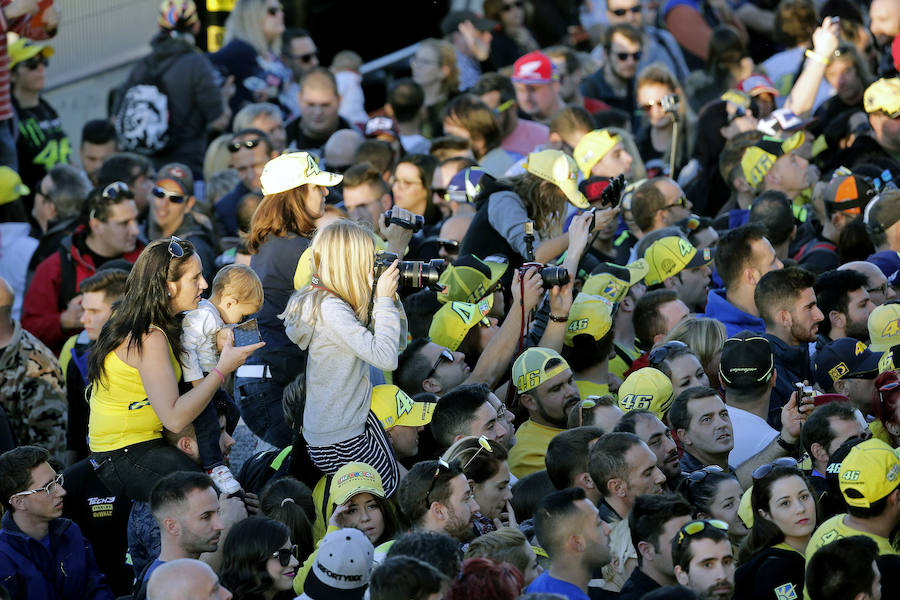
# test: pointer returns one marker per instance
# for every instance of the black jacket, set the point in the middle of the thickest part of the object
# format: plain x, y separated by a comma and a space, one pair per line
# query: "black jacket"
794, 366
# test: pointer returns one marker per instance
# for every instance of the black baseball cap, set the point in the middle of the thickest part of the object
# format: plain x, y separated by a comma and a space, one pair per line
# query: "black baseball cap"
747, 360
844, 358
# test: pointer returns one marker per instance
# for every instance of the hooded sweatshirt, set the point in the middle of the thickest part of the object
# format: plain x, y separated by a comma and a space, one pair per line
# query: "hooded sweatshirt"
338, 388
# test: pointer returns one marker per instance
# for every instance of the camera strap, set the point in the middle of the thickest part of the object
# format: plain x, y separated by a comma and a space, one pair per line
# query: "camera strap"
316, 283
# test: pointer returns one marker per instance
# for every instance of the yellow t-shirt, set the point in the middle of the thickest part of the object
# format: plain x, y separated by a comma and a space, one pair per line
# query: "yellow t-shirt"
121, 414
589, 388
527, 456
617, 365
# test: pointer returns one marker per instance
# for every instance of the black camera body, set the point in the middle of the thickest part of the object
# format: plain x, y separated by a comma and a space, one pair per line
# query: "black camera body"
413, 273
670, 103
550, 275
416, 224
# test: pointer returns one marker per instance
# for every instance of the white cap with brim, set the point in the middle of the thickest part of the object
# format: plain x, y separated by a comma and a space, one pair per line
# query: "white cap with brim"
290, 171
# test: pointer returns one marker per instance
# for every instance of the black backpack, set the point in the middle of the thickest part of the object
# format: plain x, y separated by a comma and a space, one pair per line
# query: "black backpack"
142, 113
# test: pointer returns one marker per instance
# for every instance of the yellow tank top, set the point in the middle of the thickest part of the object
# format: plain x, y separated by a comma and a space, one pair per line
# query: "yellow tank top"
121, 414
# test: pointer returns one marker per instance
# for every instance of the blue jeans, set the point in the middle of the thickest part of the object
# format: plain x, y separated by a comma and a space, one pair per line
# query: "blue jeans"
8, 155
206, 427
260, 402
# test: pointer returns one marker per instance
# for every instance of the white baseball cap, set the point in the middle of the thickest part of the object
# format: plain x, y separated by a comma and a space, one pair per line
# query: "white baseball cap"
292, 170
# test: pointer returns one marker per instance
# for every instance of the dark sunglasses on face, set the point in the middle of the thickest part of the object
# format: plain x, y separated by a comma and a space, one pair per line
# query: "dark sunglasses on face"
274, 10
304, 57
36, 61
512, 5
623, 56
160, 193
250, 144
449, 246
444, 355
739, 112
621, 12
284, 555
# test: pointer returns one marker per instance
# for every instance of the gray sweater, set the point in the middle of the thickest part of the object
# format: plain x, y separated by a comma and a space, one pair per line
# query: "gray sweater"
338, 390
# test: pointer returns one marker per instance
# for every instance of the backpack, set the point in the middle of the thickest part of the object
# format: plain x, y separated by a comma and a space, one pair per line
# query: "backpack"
142, 117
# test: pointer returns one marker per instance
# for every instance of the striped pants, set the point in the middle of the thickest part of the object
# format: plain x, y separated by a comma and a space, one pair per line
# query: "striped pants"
371, 447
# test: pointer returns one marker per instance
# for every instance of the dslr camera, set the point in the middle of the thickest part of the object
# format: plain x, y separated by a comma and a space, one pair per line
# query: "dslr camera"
550, 275
415, 224
413, 273
670, 103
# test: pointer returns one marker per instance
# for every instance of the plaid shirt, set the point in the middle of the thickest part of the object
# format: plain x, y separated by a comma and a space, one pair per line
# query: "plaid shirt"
22, 26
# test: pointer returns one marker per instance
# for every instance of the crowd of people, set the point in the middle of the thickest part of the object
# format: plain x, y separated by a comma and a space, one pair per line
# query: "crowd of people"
598, 303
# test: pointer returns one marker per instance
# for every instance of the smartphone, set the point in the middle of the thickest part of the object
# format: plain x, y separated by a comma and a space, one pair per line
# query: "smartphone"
246, 333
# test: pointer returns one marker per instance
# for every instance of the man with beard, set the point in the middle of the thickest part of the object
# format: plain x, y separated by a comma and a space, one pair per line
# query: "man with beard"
576, 539
787, 304
846, 305
700, 420
623, 468
877, 285
435, 496
703, 559
546, 388
613, 83
846, 366
466, 411
658, 438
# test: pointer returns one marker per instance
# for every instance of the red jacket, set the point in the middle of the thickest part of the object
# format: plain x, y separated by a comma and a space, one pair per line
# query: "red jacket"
44, 301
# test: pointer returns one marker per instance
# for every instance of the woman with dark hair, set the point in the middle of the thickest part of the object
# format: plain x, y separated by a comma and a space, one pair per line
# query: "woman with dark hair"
716, 494
413, 177
281, 230
485, 465
259, 562
290, 502
513, 39
772, 556
434, 68
469, 118
483, 579
135, 367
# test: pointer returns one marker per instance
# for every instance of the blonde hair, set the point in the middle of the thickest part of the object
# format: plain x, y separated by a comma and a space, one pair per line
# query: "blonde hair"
245, 23
342, 256
705, 336
346, 60
240, 281
217, 157
447, 58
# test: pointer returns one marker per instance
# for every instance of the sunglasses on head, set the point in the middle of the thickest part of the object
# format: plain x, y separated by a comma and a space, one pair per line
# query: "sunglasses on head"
512, 5
117, 190
623, 56
701, 474
695, 527
161, 193
483, 444
739, 112
250, 144
658, 355
36, 61
284, 555
444, 355
621, 12
763, 470
442, 465
176, 250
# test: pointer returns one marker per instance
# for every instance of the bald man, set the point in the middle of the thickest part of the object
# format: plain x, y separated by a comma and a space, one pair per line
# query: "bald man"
319, 103
885, 20
185, 579
453, 230
340, 149
878, 288
32, 387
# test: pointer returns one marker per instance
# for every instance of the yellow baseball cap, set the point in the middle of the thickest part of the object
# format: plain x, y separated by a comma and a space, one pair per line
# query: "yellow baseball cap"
530, 369
558, 168
670, 255
592, 147
21, 49
613, 281
292, 170
469, 278
589, 315
394, 407
355, 478
11, 186
870, 472
647, 389
761, 156
884, 96
887, 362
884, 327
454, 320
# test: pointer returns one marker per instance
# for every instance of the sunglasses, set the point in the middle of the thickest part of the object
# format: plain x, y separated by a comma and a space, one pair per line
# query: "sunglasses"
160, 193
249, 144
442, 464
739, 112
303, 57
649, 105
449, 246
700, 475
50, 488
176, 250
284, 555
680, 201
621, 12
444, 355
509, 7
274, 10
695, 527
763, 470
483, 444
583, 406
623, 56
34, 62
658, 355
117, 190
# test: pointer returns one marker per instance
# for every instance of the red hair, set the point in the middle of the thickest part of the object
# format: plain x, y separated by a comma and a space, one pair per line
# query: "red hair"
885, 403
484, 579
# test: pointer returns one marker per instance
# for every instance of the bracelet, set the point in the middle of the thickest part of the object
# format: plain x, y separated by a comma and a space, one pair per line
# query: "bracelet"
558, 318
819, 59
787, 447
219, 373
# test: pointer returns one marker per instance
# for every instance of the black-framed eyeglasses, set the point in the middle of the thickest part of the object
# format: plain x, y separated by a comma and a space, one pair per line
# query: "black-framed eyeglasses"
623, 56
449, 246
512, 5
117, 190
284, 555
50, 488
621, 12
442, 464
763, 470
444, 355
701, 474
680, 201
739, 112
694, 527
35, 61
163, 194
249, 144
658, 355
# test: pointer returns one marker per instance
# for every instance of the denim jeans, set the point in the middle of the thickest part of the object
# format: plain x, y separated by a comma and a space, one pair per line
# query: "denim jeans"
206, 427
260, 402
8, 155
135, 469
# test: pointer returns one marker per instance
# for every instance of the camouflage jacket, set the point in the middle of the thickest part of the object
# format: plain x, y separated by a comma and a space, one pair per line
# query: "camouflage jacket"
33, 393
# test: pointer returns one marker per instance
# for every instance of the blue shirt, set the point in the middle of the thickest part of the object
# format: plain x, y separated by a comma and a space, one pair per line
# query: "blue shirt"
550, 585
734, 319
